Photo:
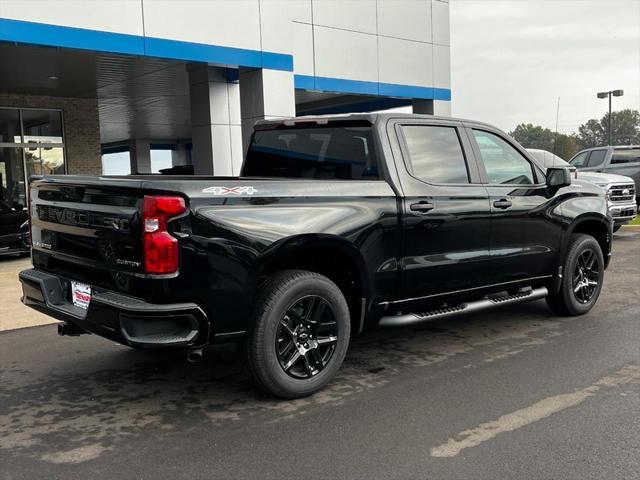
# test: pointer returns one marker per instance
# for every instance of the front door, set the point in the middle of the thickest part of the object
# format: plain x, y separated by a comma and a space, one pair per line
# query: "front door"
525, 231
446, 211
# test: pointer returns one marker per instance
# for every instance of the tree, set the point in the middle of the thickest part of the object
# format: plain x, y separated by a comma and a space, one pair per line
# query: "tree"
625, 129
533, 136
566, 146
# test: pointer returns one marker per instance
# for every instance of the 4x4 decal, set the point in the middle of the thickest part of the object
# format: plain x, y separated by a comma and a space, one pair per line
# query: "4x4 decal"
248, 190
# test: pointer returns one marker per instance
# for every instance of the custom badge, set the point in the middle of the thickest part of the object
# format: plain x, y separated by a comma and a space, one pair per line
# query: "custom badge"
248, 190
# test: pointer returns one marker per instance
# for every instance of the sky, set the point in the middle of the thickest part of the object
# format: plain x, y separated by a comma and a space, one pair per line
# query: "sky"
512, 59
118, 163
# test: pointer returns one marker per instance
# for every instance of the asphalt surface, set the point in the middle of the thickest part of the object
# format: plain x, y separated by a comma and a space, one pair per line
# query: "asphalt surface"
513, 393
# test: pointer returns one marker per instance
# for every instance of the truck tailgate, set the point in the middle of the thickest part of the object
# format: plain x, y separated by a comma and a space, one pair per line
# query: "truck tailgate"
88, 230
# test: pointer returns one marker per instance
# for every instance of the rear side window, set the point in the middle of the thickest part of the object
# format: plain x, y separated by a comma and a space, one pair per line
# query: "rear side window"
502, 162
596, 158
627, 155
435, 154
345, 153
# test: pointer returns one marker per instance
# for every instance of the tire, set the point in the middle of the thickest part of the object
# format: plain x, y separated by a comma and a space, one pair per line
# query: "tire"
577, 293
297, 313
616, 228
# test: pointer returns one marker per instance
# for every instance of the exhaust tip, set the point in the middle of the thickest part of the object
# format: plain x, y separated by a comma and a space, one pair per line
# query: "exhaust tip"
194, 355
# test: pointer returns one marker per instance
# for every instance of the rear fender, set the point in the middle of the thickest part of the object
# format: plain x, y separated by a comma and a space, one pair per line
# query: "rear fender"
302, 248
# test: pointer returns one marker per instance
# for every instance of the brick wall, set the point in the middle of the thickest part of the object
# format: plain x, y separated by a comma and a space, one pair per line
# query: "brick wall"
81, 128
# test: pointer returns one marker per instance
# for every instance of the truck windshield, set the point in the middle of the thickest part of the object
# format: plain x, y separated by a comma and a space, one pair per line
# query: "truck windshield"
345, 153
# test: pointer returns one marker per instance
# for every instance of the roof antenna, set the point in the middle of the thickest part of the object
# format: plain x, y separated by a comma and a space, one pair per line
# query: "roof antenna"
555, 136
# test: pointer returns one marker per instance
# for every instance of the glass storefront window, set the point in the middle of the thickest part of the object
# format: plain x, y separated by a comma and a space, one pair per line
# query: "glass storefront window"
31, 143
10, 126
42, 126
44, 161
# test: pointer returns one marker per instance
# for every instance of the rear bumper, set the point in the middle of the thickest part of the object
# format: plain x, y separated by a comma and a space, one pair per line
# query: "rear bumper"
118, 317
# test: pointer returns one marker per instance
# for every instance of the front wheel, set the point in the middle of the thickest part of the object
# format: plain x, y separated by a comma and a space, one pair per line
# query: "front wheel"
583, 273
300, 334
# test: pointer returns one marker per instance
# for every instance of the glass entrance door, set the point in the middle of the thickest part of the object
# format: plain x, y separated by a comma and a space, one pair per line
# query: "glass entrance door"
31, 143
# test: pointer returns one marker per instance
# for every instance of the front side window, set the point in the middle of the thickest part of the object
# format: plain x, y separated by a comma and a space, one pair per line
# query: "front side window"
596, 158
502, 162
627, 155
579, 160
346, 153
435, 154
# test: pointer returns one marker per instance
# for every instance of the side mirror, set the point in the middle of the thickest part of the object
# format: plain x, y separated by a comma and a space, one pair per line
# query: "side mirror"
558, 177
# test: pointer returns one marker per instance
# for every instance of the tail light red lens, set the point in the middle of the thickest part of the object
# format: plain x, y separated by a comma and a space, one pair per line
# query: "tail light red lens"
161, 249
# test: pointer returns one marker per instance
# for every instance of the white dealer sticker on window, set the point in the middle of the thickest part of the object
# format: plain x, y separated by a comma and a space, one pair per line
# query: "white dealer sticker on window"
249, 190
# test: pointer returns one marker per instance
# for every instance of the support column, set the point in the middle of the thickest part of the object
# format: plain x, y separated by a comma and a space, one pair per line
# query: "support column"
265, 94
422, 106
140, 156
442, 108
215, 122
179, 155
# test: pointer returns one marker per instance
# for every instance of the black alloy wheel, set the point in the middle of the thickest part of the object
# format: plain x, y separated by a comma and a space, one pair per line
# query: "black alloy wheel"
579, 288
300, 333
586, 276
307, 337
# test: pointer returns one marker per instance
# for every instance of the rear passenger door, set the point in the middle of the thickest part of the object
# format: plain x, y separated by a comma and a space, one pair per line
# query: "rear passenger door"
525, 232
445, 210
595, 162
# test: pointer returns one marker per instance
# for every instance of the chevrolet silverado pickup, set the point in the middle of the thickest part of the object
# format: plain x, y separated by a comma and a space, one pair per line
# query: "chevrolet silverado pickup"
336, 224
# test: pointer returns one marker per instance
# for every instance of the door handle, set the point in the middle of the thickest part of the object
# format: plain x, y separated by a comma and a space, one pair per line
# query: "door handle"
422, 207
502, 203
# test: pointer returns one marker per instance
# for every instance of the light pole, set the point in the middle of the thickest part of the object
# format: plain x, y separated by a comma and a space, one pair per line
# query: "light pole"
614, 93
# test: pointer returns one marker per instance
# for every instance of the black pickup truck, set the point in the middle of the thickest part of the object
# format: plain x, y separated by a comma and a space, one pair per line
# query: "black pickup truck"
336, 224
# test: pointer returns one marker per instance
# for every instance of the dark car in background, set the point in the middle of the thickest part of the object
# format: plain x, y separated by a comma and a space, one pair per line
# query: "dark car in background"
13, 230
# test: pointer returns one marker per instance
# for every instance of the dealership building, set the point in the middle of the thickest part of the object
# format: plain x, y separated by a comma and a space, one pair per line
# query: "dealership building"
181, 82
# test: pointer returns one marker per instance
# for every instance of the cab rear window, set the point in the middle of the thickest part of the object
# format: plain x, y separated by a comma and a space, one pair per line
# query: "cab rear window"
345, 153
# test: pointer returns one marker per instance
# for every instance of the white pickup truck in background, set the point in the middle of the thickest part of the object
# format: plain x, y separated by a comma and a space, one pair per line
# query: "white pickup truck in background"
621, 190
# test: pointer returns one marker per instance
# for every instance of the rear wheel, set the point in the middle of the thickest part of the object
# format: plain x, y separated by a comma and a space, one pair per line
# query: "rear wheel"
300, 334
583, 273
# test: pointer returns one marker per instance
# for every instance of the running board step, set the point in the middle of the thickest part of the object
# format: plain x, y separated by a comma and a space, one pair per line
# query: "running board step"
476, 306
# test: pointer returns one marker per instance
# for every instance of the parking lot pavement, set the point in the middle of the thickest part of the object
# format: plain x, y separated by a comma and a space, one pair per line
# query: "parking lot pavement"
513, 393
12, 313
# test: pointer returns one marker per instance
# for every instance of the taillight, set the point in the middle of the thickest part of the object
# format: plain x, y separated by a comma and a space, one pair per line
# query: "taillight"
161, 249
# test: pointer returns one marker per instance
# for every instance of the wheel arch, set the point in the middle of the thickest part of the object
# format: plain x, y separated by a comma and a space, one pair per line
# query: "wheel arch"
595, 225
328, 255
